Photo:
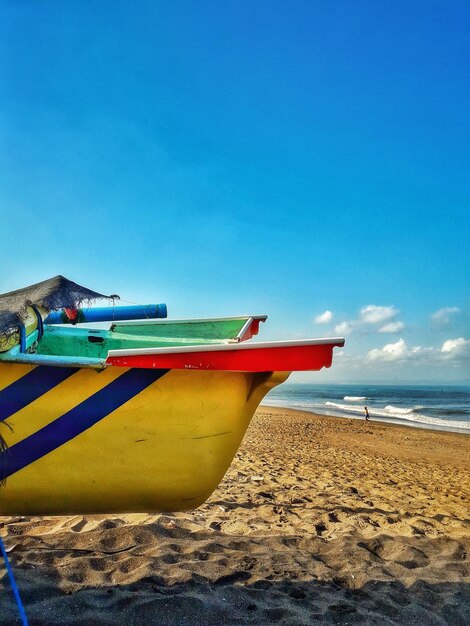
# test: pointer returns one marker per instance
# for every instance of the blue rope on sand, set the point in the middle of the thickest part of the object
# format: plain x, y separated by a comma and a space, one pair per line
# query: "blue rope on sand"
16, 592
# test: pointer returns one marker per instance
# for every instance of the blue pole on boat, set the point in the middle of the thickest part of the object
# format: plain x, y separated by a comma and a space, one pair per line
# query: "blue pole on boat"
110, 314
16, 592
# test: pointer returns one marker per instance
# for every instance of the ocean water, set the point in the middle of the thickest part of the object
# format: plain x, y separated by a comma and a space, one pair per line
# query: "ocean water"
440, 407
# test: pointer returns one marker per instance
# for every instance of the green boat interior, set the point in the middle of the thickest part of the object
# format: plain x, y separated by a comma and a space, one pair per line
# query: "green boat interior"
93, 343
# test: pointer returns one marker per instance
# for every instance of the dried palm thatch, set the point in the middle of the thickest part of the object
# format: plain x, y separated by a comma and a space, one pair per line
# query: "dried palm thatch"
54, 293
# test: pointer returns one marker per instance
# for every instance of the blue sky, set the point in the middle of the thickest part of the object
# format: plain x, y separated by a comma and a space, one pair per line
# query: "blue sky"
263, 157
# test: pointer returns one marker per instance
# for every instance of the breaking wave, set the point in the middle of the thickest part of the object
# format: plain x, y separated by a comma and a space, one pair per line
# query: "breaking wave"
355, 398
395, 410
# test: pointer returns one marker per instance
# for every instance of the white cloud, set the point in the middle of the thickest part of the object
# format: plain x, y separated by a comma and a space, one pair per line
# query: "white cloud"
456, 347
372, 314
323, 318
443, 316
370, 317
390, 352
345, 328
451, 350
392, 327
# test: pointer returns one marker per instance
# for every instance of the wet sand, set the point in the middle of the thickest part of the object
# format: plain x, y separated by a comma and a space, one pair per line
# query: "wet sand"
318, 520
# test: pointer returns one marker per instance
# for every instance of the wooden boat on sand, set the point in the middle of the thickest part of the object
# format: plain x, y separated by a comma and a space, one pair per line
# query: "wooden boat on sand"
144, 416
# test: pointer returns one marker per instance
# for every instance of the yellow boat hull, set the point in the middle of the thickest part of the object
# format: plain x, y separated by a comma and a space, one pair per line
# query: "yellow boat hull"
114, 441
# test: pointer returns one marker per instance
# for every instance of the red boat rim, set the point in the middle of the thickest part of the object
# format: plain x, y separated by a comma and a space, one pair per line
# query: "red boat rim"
281, 356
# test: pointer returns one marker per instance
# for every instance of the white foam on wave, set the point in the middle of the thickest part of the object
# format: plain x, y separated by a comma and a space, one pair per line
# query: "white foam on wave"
395, 410
355, 398
344, 406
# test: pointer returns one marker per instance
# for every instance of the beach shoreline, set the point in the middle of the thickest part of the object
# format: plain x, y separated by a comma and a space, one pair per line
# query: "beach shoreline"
318, 520
391, 421
433, 407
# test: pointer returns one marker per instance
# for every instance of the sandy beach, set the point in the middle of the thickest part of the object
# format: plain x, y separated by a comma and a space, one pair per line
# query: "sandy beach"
318, 520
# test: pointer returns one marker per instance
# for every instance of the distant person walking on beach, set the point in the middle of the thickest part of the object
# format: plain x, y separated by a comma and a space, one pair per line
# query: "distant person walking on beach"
366, 414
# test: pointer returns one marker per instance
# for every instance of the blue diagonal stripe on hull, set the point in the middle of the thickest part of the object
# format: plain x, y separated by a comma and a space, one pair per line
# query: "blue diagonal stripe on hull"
30, 387
77, 420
